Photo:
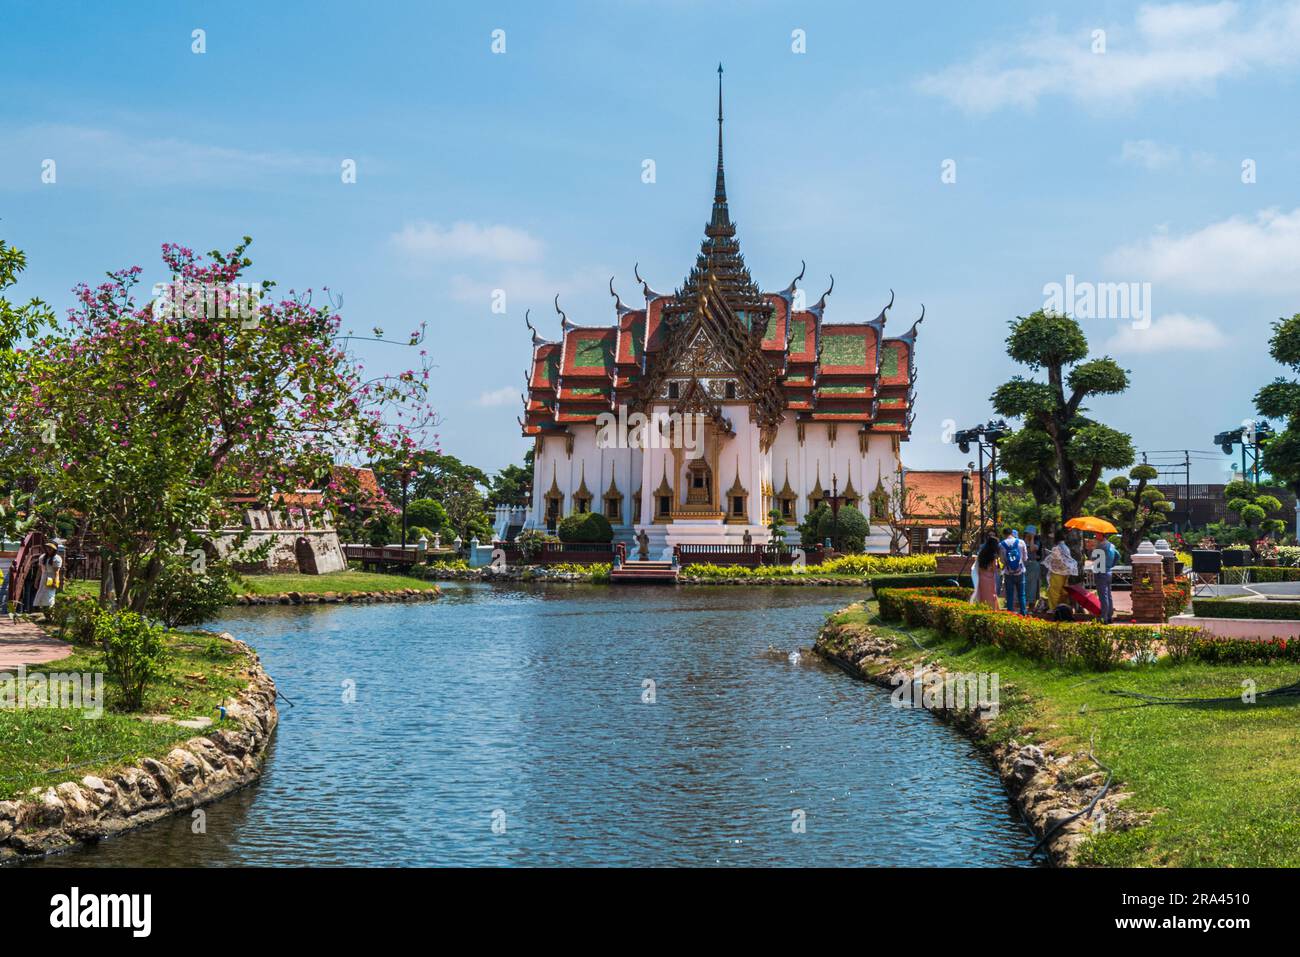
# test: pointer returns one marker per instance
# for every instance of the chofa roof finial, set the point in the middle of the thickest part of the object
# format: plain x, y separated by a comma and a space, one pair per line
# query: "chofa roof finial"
537, 339
565, 324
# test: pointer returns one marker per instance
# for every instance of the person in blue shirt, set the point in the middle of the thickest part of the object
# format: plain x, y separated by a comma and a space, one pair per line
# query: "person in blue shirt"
1105, 556
1015, 557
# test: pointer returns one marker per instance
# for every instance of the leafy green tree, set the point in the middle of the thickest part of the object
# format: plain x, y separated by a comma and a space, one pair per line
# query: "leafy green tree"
1280, 399
146, 417
1059, 452
17, 323
510, 486
1135, 509
427, 514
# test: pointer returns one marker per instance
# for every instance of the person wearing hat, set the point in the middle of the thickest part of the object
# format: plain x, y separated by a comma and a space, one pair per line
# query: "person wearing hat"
51, 577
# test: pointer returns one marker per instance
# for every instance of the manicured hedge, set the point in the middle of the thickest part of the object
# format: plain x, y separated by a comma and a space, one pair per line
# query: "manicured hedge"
1088, 644
1235, 608
891, 600
1268, 573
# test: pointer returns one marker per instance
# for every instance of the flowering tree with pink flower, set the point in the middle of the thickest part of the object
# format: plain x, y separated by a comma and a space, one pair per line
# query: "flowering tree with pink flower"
148, 417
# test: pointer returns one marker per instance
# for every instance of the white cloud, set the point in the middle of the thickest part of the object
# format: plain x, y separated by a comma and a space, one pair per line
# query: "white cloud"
1169, 48
502, 396
430, 242
1150, 154
1240, 254
1169, 333
91, 156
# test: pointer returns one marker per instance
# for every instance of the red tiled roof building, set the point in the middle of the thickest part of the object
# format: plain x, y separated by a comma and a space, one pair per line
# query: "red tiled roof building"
786, 405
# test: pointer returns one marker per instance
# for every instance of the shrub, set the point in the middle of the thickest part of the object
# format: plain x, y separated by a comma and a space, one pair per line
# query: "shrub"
426, 513
183, 596
415, 532
133, 652
74, 617
879, 564
586, 527
847, 531
531, 542
811, 522
1236, 608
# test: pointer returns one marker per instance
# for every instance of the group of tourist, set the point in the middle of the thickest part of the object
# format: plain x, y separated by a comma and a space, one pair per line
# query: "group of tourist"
1021, 562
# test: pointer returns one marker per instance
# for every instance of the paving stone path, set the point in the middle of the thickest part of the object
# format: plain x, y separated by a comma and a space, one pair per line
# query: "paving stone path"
26, 643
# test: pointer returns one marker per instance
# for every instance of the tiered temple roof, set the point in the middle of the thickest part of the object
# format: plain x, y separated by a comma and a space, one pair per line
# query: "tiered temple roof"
787, 361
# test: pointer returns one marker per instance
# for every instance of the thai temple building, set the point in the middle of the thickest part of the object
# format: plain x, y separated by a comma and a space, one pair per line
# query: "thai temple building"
755, 401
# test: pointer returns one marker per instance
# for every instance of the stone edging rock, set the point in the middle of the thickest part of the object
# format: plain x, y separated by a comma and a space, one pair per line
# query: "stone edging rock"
198, 772
1039, 781
341, 597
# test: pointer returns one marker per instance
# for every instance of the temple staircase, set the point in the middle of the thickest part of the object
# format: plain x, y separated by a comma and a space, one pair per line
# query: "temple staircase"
641, 573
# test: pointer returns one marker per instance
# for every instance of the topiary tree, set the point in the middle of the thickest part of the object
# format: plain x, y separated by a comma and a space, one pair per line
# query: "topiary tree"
1136, 509
585, 527
776, 526
847, 531
1253, 508
1059, 453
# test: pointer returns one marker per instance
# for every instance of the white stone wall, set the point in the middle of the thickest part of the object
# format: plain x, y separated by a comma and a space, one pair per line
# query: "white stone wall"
642, 470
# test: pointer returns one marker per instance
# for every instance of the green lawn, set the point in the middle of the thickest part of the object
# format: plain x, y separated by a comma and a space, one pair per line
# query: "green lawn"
334, 581
345, 581
46, 746
1222, 781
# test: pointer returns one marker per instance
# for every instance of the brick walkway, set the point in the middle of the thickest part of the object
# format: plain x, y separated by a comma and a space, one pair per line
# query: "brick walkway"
25, 643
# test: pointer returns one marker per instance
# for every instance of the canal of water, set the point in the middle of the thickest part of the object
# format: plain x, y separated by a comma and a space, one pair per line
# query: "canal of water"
585, 725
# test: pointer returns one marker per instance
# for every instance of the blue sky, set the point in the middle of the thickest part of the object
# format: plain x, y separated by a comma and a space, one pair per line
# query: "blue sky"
522, 171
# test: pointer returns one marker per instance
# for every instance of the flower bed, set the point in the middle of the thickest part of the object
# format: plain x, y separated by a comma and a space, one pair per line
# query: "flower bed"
1192, 644
1177, 594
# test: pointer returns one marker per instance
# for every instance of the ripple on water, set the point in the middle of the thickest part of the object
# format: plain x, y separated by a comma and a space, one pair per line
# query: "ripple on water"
528, 700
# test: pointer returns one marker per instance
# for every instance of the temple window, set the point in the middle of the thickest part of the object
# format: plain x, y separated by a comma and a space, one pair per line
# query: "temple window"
737, 499
674, 390
787, 508
665, 505
731, 390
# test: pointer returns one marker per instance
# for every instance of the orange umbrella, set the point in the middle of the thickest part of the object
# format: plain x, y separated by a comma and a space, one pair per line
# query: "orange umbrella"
1091, 523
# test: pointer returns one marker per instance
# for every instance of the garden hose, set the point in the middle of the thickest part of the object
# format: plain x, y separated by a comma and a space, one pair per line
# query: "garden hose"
1047, 835
1286, 691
